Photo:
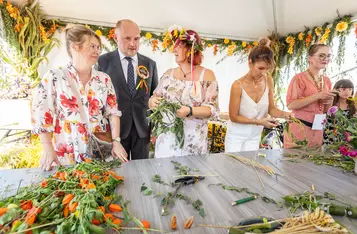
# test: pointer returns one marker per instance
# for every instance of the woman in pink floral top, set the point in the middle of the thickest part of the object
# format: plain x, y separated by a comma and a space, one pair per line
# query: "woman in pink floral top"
198, 98
72, 102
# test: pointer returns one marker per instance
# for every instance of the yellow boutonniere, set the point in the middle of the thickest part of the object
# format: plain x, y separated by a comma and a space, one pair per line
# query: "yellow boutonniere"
144, 74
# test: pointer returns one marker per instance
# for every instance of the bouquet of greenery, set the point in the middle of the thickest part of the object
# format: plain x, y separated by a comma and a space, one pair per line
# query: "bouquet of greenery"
345, 129
164, 120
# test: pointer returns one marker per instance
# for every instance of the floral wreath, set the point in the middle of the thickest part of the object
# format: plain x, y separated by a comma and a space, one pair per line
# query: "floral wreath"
176, 35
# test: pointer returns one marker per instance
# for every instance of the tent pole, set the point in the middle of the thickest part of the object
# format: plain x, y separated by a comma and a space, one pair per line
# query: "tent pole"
274, 16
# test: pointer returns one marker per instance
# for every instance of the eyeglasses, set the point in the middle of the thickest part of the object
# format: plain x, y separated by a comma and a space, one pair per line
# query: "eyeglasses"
94, 47
323, 57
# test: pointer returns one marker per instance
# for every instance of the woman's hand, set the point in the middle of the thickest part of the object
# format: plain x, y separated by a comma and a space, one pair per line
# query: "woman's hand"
154, 101
119, 151
183, 112
267, 122
49, 157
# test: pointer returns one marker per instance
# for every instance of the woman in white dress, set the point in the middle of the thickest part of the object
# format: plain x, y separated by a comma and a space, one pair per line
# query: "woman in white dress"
251, 100
194, 88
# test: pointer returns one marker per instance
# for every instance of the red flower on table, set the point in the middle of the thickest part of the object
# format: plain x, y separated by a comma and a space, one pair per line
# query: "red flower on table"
94, 107
111, 100
62, 149
48, 118
81, 128
70, 103
57, 127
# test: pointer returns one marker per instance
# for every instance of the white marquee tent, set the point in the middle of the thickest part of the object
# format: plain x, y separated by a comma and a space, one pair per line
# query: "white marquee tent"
235, 19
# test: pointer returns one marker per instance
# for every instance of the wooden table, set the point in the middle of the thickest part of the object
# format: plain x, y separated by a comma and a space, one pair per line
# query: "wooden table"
217, 202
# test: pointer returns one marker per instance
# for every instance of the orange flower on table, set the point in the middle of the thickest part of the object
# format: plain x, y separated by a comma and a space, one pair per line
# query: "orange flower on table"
1, 1
341, 26
67, 127
111, 100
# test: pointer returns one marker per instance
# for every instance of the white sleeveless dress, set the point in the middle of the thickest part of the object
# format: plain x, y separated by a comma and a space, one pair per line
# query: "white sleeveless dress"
195, 129
246, 137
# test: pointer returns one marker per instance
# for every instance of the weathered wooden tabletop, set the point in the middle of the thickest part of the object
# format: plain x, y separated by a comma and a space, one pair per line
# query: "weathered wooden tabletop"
298, 177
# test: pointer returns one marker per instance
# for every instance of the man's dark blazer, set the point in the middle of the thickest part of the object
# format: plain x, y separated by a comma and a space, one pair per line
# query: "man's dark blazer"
134, 109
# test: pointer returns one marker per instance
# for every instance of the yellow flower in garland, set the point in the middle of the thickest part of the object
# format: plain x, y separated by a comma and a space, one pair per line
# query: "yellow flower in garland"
183, 31
87, 26
318, 31
209, 45
341, 26
290, 40
226, 41
1, 1
255, 43
148, 36
43, 34
244, 44
98, 32
290, 50
325, 36
231, 49
301, 36
175, 33
13, 11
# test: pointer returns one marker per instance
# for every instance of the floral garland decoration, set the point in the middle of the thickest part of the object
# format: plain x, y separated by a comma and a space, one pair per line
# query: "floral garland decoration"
297, 44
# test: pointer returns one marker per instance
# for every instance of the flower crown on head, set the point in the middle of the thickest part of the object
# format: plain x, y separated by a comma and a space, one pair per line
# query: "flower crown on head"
176, 34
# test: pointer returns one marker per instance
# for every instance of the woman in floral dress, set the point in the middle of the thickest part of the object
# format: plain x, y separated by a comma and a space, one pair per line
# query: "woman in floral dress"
194, 88
74, 101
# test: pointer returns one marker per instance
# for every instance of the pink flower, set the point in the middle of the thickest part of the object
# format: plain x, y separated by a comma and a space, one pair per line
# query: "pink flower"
332, 110
343, 150
348, 137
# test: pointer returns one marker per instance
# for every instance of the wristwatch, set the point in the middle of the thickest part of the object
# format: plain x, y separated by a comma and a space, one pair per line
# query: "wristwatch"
190, 113
117, 139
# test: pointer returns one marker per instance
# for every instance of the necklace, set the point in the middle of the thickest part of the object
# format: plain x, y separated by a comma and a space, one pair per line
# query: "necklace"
185, 74
318, 86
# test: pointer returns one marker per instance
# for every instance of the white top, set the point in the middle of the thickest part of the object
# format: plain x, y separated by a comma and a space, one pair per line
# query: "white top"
251, 110
125, 63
